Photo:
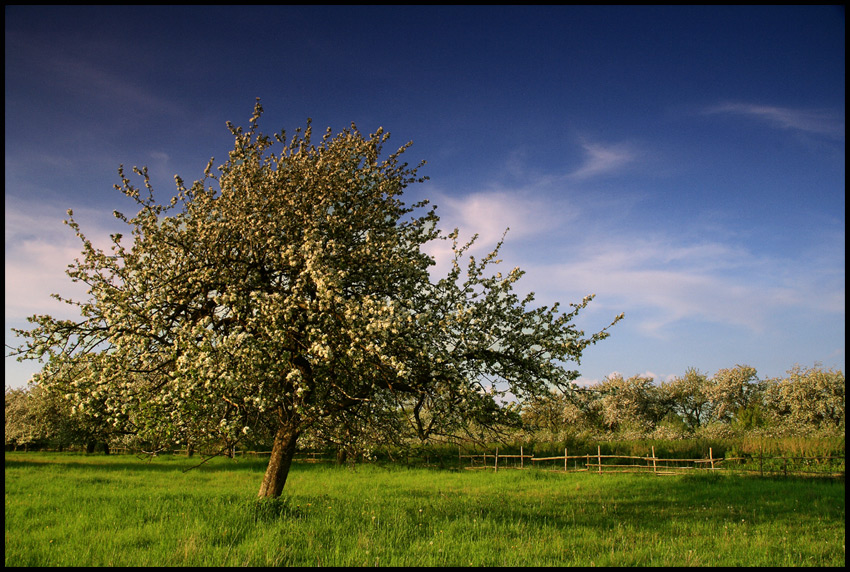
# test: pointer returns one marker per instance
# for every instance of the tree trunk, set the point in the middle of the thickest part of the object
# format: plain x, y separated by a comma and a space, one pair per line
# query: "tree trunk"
282, 452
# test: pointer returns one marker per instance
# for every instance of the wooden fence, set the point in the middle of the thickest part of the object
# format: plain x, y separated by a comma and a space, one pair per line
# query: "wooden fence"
599, 463
760, 463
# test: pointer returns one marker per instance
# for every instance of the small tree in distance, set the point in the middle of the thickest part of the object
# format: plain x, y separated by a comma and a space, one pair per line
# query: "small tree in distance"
286, 291
689, 396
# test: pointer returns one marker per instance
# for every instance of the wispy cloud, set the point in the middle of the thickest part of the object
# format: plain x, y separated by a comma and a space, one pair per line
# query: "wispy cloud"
667, 283
602, 159
663, 277
96, 82
100, 84
38, 249
819, 122
489, 214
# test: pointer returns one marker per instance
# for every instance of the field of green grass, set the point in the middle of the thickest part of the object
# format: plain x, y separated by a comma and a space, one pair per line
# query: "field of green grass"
77, 510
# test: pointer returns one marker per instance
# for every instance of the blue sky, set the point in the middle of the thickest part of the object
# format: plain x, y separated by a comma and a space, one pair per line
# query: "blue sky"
684, 164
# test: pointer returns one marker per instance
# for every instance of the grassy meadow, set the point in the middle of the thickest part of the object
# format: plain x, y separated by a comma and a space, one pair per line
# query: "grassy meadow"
77, 510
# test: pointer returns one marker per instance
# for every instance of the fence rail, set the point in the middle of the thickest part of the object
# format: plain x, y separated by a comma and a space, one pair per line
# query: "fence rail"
599, 463
799, 465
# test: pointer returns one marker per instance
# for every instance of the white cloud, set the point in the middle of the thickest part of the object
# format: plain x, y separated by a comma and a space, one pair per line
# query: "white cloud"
820, 122
603, 159
489, 214
39, 248
661, 277
667, 283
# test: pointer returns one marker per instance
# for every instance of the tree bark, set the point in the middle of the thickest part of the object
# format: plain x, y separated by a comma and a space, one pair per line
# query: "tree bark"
283, 450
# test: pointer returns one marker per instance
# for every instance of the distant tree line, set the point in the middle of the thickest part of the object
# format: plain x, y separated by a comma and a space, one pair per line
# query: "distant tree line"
730, 402
733, 401
37, 418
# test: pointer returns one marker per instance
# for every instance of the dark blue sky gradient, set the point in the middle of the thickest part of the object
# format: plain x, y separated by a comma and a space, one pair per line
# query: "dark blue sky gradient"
686, 164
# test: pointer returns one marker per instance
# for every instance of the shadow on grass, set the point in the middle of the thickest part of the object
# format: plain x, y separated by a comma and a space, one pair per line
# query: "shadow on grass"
666, 505
131, 463
160, 463
645, 504
270, 510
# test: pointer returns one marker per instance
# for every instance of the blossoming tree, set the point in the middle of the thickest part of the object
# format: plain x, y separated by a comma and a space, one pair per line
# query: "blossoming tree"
283, 292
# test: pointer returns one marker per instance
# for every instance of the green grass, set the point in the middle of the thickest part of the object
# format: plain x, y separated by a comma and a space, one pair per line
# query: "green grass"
74, 510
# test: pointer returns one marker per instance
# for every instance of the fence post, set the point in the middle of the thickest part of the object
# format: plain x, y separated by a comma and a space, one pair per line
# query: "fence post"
654, 466
711, 457
496, 462
521, 458
599, 457
565, 459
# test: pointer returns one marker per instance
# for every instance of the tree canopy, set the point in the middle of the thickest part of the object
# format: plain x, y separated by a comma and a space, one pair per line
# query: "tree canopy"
287, 291
734, 401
